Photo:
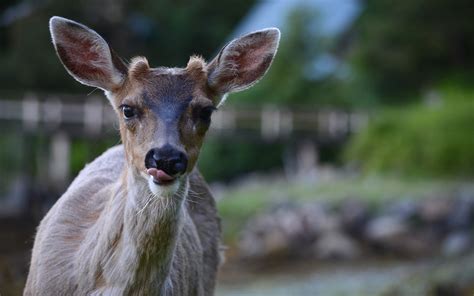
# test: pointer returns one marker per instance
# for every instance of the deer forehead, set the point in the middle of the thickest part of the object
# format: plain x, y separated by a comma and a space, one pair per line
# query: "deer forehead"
164, 88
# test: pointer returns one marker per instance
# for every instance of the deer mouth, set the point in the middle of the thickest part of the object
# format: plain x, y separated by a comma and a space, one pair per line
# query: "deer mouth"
160, 177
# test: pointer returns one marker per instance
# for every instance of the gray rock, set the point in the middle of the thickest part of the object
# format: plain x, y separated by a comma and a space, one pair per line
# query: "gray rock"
462, 215
318, 220
280, 231
265, 236
404, 209
354, 215
457, 243
335, 245
289, 220
385, 229
394, 235
436, 210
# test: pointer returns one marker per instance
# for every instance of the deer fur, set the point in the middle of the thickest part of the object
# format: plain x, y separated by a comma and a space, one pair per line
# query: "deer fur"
114, 232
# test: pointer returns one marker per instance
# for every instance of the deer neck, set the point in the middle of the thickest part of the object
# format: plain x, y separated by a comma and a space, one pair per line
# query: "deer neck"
151, 228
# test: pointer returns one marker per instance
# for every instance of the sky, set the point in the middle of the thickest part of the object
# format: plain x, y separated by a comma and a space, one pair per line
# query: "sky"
335, 15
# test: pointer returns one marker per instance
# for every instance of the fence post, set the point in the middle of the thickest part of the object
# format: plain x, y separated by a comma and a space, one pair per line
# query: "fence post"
307, 159
52, 110
93, 115
223, 120
59, 159
30, 112
270, 122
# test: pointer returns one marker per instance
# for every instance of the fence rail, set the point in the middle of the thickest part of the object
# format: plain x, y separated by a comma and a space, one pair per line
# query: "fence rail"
95, 115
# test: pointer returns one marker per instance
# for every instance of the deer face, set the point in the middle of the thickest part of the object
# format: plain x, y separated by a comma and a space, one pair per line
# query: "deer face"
164, 113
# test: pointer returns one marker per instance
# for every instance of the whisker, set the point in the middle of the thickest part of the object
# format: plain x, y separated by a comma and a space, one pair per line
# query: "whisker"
92, 91
149, 199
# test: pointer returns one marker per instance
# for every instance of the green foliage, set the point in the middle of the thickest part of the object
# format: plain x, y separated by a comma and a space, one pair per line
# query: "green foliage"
180, 29
84, 151
238, 207
294, 80
225, 159
167, 32
286, 82
9, 158
404, 48
433, 140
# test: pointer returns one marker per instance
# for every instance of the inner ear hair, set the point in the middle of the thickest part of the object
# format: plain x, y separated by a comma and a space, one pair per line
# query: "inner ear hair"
242, 62
86, 55
118, 62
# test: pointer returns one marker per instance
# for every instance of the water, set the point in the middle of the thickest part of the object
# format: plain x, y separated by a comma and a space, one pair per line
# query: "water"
370, 279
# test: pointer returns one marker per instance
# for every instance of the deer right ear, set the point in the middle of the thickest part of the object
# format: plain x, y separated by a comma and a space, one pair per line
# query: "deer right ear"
86, 55
242, 62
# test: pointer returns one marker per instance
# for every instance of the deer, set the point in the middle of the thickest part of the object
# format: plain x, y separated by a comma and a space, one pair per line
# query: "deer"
140, 218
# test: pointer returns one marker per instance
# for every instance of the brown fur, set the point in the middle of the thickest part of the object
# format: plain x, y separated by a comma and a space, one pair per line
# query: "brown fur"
114, 231
138, 68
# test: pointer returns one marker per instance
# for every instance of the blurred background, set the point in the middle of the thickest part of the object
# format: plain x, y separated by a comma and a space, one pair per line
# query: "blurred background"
348, 170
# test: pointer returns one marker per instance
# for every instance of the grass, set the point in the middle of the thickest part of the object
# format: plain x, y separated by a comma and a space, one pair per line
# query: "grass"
240, 202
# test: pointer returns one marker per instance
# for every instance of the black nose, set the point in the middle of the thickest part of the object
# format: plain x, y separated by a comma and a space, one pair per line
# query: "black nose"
168, 159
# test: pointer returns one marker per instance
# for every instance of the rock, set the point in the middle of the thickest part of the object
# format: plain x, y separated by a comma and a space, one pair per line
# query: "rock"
457, 243
393, 235
462, 215
406, 228
405, 209
385, 229
317, 220
289, 219
436, 210
286, 230
280, 231
354, 215
264, 239
335, 245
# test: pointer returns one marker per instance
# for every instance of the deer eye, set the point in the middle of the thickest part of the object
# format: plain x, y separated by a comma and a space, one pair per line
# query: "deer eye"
206, 112
128, 111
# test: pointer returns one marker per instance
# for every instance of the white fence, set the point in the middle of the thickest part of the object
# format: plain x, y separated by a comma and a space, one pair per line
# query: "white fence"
94, 114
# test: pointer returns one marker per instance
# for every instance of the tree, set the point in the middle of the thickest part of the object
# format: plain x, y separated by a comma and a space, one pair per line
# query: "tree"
167, 32
406, 47
288, 81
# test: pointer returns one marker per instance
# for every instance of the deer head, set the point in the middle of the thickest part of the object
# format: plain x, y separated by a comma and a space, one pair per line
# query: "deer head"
164, 113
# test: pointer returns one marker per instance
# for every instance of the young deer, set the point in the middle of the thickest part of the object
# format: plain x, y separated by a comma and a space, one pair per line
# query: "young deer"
139, 220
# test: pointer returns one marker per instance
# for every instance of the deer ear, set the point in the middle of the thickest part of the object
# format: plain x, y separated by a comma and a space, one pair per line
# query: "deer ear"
242, 62
86, 55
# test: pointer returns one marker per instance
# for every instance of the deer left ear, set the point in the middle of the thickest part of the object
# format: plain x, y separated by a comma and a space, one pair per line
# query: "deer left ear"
86, 55
242, 62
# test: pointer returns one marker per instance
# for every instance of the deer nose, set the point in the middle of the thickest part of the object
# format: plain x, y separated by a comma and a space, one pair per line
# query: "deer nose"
168, 159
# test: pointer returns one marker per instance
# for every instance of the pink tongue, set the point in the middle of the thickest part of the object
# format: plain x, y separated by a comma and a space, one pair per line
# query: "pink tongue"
159, 175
